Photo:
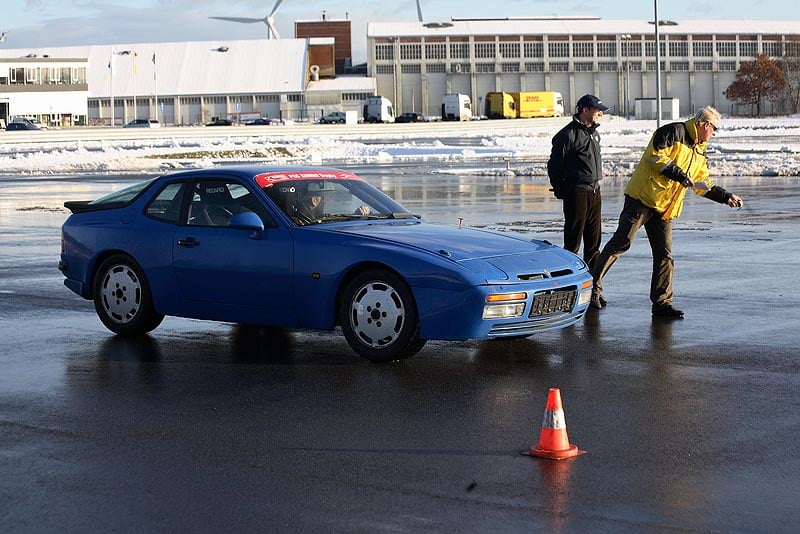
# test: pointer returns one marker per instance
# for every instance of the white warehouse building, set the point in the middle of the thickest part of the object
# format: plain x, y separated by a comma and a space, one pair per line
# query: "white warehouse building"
185, 83
415, 63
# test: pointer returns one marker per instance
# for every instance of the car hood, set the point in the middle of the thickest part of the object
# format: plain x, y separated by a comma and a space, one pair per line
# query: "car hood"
494, 256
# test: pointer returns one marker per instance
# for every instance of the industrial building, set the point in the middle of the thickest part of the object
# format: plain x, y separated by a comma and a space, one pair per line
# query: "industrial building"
412, 63
415, 63
184, 83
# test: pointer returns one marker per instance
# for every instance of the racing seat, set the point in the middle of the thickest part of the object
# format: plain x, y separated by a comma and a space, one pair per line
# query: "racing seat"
216, 206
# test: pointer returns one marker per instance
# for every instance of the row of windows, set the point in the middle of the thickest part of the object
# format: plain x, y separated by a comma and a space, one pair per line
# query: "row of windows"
43, 75
579, 49
559, 66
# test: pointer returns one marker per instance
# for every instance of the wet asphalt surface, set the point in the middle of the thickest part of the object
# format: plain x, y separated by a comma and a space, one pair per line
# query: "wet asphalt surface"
688, 426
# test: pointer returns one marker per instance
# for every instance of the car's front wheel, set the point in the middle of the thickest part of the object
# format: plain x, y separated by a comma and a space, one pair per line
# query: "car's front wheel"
379, 316
122, 297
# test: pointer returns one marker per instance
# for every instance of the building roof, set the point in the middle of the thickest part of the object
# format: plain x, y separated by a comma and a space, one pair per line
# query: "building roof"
575, 26
189, 68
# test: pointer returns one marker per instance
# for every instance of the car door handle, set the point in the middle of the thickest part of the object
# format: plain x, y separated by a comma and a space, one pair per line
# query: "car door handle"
188, 242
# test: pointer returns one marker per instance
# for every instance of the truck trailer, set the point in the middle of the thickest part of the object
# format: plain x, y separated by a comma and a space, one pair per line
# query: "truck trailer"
524, 105
456, 107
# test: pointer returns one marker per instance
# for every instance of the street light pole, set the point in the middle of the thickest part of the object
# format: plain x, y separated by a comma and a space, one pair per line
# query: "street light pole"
625, 38
658, 67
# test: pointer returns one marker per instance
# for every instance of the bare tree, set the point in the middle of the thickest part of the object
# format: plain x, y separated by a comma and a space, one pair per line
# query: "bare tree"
755, 82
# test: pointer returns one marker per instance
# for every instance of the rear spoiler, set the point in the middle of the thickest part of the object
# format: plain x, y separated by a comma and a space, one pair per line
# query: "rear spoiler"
80, 206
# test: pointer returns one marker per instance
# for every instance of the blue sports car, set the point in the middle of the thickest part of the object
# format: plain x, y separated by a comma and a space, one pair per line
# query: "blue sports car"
311, 248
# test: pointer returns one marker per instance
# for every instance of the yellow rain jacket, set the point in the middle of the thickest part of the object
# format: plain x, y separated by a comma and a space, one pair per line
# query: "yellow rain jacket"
671, 156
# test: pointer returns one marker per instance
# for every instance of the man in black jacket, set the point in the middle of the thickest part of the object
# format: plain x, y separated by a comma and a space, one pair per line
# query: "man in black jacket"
575, 171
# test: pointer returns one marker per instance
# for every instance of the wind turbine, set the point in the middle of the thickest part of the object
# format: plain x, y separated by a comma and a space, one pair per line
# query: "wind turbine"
419, 11
269, 20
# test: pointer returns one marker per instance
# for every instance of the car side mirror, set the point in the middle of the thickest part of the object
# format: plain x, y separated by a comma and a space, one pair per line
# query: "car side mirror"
248, 221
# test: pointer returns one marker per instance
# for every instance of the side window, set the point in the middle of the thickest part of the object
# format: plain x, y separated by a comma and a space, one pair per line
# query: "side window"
214, 202
166, 206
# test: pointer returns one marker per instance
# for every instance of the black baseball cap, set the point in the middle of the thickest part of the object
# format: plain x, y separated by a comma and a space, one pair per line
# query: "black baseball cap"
591, 101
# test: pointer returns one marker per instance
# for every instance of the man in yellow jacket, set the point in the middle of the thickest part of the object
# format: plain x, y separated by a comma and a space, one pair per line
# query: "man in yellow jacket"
674, 161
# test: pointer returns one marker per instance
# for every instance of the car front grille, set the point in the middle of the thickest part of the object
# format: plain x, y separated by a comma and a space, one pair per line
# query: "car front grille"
555, 301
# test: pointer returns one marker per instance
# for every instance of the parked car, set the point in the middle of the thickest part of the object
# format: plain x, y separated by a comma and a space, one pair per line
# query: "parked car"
308, 247
220, 122
17, 124
264, 121
143, 123
410, 117
337, 117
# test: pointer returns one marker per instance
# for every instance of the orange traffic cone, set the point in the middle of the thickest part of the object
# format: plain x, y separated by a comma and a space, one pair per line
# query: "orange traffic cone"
553, 441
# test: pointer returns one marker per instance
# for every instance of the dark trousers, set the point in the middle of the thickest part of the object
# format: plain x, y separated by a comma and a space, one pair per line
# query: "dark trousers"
659, 232
582, 221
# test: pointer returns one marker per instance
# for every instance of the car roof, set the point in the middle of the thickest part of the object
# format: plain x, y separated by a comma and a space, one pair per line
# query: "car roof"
250, 172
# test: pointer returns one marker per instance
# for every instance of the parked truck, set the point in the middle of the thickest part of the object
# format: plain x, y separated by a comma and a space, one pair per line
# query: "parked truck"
456, 107
500, 105
378, 109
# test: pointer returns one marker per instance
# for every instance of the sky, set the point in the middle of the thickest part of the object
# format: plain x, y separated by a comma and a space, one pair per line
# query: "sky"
43, 23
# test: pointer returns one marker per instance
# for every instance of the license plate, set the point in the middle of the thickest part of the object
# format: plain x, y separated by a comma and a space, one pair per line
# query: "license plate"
553, 302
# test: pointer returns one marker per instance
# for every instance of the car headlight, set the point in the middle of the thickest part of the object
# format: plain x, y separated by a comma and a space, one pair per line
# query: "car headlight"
504, 305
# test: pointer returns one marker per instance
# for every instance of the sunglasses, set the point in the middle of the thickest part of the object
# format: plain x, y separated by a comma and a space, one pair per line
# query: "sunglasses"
712, 127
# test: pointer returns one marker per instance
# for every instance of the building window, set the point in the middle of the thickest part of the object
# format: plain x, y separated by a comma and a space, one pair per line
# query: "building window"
559, 66
416, 68
31, 75
485, 50
435, 68
707, 66
534, 67
411, 51
679, 65
584, 66
459, 50
267, 98
509, 50
703, 49
678, 49
384, 69
772, 48
355, 97
294, 98
484, 67
558, 49
436, 51
727, 66
534, 49
726, 48
606, 49
583, 49
461, 68
606, 66
651, 66
509, 67
650, 49
188, 100
631, 48
384, 52
748, 49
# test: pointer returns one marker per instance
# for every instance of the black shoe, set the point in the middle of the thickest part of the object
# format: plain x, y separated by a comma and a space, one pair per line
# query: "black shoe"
597, 302
667, 311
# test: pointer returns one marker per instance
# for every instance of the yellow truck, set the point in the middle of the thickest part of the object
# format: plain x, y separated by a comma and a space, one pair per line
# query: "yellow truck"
524, 105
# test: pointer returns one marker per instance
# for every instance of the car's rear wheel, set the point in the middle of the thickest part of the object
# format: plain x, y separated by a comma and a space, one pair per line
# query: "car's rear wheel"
122, 297
379, 316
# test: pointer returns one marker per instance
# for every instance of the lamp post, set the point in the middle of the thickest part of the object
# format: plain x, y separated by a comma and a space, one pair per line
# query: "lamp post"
625, 38
658, 64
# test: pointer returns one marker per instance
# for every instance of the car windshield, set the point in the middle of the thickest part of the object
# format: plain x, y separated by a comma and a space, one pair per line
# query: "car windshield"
326, 201
123, 195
